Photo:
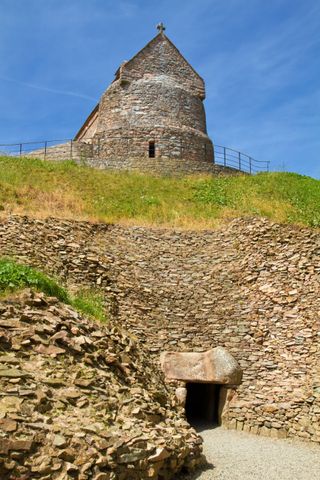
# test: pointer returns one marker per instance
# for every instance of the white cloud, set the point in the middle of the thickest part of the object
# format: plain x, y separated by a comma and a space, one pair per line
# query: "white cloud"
48, 89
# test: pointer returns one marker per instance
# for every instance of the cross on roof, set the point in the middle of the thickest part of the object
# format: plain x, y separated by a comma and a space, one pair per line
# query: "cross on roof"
161, 27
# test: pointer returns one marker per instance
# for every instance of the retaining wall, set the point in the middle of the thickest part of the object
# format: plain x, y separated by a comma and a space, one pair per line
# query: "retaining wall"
251, 287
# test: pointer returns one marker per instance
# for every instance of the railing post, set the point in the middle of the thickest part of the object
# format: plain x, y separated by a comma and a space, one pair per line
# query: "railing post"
239, 153
45, 149
250, 165
71, 149
20, 149
224, 157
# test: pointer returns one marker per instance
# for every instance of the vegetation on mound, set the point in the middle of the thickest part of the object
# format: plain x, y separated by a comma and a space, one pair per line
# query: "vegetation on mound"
15, 277
64, 189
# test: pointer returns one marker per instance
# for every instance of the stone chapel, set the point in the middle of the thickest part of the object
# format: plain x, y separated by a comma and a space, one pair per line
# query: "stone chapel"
151, 117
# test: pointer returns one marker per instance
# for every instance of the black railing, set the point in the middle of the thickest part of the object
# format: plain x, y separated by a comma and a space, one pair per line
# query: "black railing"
228, 157
225, 156
25, 148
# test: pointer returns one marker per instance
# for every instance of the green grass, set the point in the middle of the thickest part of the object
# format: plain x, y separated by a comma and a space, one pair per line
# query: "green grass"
15, 276
91, 303
64, 189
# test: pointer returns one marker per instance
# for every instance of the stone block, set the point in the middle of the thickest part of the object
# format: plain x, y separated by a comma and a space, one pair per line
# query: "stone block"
214, 366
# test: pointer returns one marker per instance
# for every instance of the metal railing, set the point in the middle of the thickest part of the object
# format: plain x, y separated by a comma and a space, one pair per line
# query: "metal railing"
225, 156
228, 157
25, 148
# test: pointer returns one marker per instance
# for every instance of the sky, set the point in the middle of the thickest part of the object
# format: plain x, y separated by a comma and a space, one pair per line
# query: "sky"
260, 61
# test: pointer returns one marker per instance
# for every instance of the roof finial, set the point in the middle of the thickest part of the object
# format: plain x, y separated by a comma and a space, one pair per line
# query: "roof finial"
161, 27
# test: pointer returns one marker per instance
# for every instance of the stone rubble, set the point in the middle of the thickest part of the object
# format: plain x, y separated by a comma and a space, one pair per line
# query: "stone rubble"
81, 400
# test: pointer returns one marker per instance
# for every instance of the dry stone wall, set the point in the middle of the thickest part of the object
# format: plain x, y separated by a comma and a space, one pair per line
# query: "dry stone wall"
251, 287
81, 400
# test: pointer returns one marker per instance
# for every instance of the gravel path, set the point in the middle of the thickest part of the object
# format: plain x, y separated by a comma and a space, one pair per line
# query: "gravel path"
240, 456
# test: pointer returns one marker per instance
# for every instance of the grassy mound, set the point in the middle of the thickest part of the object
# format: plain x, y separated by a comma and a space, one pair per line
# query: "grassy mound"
15, 277
64, 189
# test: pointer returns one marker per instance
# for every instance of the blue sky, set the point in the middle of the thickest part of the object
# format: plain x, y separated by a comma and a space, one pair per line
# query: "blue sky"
259, 59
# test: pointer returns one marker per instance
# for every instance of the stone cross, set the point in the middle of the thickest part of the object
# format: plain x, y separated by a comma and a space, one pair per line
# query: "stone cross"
161, 27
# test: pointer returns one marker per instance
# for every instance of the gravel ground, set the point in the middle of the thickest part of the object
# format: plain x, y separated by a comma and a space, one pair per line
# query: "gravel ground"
236, 455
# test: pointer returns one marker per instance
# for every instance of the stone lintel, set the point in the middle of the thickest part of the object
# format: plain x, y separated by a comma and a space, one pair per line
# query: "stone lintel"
214, 366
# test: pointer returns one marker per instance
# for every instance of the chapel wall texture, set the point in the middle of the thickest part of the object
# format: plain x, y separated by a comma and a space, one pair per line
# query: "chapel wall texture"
251, 287
160, 57
105, 155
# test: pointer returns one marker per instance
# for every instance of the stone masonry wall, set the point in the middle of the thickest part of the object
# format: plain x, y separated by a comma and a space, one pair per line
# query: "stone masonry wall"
180, 163
169, 144
167, 166
148, 104
77, 151
251, 287
161, 57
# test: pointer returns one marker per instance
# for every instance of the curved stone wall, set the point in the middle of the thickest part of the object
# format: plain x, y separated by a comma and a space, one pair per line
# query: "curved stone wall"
156, 102
251, 287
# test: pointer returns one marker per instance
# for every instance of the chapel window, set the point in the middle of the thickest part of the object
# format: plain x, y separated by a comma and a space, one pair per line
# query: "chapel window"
152, 149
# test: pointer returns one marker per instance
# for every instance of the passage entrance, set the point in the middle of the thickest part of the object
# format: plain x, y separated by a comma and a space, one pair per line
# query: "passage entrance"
202, 403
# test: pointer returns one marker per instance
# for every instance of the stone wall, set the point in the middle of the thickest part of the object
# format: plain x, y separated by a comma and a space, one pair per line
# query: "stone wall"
105, 155
72, 150
150, 102
251, 287
161, 57
170, 143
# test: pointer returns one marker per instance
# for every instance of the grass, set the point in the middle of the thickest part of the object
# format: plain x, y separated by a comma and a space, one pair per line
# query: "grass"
91, 303
64, 189
15, 276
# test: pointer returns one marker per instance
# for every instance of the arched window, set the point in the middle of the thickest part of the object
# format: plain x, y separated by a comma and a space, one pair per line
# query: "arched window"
152, 149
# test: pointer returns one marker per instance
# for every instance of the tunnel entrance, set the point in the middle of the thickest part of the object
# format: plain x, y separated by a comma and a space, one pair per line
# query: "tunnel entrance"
202, 403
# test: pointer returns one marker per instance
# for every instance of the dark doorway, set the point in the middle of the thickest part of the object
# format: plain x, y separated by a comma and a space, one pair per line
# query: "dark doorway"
202, 404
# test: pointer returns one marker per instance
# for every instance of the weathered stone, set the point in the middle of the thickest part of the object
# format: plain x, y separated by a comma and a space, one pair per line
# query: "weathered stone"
12, 373
10, 404
213, 366
102, 476
59, 441
159, 455
181, 394
51, 428
15, 444
50, 350
8, 425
